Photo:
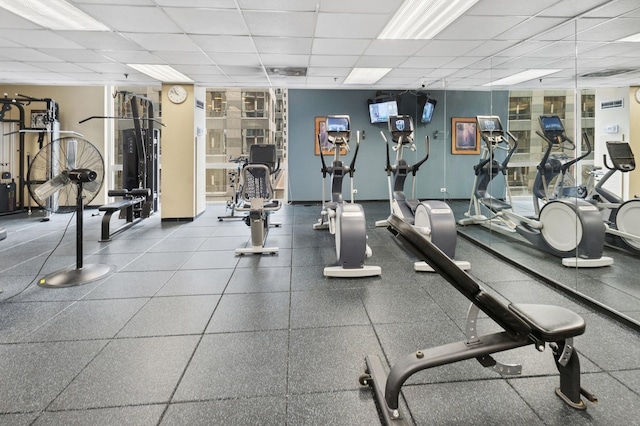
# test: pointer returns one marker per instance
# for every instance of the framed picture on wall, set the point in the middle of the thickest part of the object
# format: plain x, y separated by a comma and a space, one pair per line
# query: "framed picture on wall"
321, 138
465, 136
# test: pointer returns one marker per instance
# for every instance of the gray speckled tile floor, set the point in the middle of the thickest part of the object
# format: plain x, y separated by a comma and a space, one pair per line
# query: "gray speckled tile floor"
185, 332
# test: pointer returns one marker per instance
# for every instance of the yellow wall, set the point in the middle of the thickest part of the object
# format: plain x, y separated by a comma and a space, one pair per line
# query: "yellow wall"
182, 156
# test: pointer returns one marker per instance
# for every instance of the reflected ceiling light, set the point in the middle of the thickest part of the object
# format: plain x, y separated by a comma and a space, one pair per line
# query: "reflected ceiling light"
365, 75
164, 73
635, 38
522, 76
53, 14
424, 19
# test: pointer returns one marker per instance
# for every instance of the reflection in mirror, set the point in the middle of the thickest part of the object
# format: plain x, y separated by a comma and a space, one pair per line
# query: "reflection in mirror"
562, 129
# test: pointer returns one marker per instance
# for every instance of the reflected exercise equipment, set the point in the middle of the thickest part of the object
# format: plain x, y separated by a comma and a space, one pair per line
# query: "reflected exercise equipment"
569, 228
432, 218
622, 218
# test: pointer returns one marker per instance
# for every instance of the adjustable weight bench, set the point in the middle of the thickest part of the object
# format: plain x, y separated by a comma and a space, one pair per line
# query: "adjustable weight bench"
523, 324
132, 204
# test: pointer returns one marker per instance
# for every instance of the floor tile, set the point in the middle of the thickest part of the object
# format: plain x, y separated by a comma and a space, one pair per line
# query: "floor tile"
236, 365
130, 372
251, 312
267, 411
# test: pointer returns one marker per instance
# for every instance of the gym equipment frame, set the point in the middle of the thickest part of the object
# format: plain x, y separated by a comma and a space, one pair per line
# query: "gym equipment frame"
523, 324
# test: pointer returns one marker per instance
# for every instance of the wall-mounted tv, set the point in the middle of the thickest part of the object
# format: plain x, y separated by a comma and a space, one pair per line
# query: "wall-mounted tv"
381, 109
426, 106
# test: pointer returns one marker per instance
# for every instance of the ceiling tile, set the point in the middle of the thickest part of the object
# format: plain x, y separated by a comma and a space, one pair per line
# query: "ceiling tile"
225, 43
208, 21
132, 18
445, 47
349, 25
100, 40
338, 46
282, 5
361, 6
24, 54
488, 28
155, 41
281, 60
394, 47
180, 57
332, 61
290, 45
283, 24
241, 59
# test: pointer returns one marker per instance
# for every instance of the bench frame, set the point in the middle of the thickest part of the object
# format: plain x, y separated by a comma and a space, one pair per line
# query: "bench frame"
523, 324
132, 203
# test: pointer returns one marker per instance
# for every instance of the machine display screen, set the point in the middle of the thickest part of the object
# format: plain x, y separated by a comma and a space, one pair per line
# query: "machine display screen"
489, 123
337, 124
551, 123
619, 151
400, 123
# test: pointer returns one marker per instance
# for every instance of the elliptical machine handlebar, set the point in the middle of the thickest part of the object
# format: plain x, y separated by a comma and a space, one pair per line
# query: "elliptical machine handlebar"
564, 139
415, 167
352, 165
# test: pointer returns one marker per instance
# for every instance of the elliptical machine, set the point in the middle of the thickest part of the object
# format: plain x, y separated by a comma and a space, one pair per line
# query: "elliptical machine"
555, 166
622, 218
432, 218
346, 221
571, 228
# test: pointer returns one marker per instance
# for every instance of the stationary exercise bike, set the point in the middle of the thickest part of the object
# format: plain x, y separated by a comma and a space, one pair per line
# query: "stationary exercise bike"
622, 218
234, 184
345, 220
432, 218
570, 228
257, 196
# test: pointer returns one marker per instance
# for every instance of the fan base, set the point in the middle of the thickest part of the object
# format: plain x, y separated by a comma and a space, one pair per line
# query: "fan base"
73, 276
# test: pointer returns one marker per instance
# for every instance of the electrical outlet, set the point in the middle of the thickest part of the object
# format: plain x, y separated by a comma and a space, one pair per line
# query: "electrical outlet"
443, 189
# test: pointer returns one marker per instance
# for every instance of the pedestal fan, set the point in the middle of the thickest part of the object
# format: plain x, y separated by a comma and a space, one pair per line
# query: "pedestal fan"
64, 176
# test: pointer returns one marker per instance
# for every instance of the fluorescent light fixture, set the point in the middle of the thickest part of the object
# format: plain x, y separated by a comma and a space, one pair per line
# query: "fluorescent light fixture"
522, 76
53, 14
365, 75
635, 38
424, 19
163, 73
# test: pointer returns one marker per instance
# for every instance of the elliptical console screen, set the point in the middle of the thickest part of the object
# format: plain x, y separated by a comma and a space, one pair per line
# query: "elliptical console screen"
489, 123
400, 124
337, 124
551, 123
621, 155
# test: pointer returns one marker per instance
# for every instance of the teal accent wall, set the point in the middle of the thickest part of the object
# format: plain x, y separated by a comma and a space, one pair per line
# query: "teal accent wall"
442, 170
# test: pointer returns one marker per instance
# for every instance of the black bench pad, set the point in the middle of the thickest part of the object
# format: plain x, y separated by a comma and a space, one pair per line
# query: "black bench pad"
550, 323
118, 205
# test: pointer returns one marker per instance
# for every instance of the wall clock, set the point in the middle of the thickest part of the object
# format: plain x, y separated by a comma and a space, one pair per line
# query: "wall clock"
177, 94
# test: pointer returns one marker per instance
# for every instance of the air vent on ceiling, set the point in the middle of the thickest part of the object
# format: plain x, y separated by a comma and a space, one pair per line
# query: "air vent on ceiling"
607, 73
617, 103
288, 71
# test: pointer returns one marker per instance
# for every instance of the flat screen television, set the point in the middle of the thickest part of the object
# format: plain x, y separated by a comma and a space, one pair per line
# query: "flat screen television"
379, 111
426, 107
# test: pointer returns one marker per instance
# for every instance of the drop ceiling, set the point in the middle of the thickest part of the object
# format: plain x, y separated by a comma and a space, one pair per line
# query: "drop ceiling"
226, 43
